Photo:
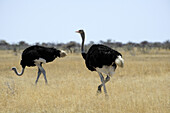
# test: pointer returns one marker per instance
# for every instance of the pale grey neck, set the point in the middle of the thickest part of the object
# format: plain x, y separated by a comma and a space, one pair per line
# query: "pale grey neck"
82, 45
19, 74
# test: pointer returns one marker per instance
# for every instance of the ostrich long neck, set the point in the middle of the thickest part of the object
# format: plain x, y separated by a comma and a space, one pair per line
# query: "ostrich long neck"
82, 45
19, 74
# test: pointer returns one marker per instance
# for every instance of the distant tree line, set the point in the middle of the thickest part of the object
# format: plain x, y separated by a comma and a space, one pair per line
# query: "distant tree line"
74, 47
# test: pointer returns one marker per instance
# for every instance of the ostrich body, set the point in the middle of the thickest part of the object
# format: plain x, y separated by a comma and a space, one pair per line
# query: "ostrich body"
101, 59
36, 56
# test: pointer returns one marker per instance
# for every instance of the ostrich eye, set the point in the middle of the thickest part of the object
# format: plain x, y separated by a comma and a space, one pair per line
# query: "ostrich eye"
80, 31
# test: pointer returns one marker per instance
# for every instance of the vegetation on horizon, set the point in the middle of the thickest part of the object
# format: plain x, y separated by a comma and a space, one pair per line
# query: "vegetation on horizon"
143, 47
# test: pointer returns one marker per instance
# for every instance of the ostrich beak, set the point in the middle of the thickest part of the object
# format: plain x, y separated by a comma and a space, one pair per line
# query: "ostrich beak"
77, 31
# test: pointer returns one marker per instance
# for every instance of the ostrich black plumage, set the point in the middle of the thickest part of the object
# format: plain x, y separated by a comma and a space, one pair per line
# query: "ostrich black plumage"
36, 56
102, 59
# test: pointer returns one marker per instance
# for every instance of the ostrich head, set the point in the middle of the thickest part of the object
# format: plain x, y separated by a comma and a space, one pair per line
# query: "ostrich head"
81, 33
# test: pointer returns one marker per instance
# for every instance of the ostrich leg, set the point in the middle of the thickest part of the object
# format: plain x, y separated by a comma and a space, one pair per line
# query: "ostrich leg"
39, 73
103, 84
43, 71
100, 86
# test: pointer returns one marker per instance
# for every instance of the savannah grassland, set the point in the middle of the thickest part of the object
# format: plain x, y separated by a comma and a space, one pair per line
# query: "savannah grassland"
142, 86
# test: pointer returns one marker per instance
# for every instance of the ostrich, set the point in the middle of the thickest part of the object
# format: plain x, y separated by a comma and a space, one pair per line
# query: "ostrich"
36, 56
101, 59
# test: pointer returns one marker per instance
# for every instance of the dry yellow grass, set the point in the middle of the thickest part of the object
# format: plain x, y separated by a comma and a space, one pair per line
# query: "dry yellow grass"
142, 86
